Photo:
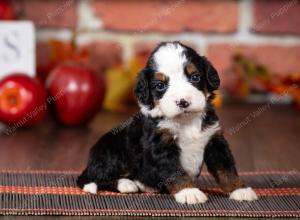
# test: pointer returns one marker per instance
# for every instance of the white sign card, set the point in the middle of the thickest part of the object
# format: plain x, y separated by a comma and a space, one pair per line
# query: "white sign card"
17, 48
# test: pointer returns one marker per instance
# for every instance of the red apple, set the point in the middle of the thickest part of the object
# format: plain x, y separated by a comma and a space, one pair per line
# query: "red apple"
22, 100
77, 92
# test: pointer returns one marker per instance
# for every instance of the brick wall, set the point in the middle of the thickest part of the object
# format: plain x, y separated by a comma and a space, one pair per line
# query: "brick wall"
264, 30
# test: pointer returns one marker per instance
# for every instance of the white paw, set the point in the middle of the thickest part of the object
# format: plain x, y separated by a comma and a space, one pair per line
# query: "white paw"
190, 196
127, 186
90, 188
243, 194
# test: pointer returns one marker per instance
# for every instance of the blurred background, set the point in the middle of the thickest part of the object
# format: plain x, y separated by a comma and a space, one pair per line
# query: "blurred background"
68, 67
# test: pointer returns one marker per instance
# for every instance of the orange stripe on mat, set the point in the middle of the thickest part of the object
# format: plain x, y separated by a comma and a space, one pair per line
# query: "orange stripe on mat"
78, 191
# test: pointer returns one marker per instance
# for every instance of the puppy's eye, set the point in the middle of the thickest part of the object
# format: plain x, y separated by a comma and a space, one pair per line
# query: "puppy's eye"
195, 77
160, 86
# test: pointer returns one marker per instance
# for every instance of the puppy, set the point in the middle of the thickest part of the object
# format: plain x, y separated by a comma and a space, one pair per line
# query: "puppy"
162, 147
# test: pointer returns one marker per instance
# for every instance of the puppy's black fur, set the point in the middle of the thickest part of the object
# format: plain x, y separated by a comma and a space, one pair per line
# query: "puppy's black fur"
139, 150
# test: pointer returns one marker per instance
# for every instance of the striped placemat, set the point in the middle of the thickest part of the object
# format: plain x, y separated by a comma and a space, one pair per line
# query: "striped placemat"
56, 193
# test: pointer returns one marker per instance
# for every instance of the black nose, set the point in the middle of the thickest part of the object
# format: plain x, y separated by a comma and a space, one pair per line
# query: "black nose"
183, 103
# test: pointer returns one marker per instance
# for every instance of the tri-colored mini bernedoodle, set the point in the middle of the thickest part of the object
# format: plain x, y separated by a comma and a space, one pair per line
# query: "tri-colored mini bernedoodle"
162, 148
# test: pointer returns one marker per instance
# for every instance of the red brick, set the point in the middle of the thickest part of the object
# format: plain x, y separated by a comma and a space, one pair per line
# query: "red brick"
103, 54
168, 16
279, 60
277, 16
54, 13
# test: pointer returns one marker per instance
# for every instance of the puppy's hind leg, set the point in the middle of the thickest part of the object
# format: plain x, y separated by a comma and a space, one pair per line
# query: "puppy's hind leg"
83, 179
85, 182
99, 176
92, 184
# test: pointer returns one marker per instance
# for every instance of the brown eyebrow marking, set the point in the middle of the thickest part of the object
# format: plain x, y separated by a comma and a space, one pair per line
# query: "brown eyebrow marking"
160, 76
190, 68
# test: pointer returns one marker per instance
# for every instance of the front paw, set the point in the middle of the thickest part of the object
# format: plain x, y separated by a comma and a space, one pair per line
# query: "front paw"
243, 194
190, 196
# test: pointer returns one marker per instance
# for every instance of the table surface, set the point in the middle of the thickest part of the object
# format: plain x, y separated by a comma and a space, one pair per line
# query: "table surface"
262, 137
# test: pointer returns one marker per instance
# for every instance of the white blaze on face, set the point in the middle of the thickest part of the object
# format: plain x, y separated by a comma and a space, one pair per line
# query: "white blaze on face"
171, 61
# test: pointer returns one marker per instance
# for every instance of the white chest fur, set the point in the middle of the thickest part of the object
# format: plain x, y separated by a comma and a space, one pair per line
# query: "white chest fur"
191, 140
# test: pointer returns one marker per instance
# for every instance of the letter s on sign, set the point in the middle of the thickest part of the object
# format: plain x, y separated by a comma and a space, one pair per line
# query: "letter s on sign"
10, 42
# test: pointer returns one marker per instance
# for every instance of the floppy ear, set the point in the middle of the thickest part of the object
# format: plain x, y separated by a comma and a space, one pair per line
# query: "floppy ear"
211, 75
142, 88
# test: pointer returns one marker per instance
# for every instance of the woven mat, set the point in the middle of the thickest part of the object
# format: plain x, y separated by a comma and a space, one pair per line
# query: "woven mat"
55, 193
